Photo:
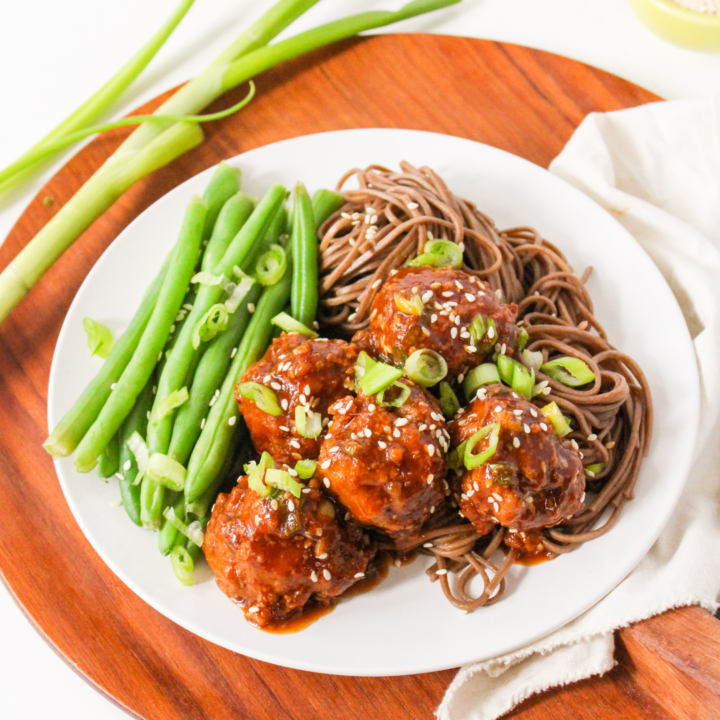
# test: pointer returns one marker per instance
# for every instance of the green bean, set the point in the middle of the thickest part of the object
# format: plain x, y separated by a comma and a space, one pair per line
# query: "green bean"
304, 244
214, 442
203, 505
325, 203
108, 463
181, 359
208, 378
232, 217
272, 236
68, 433
168, 535
136, 421
224, 183
145, 357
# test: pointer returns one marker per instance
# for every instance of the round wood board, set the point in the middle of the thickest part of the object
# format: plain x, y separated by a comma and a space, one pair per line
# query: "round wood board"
520, 100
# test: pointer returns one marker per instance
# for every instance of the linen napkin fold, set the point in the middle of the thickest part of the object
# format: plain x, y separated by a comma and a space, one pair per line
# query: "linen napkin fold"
657, 169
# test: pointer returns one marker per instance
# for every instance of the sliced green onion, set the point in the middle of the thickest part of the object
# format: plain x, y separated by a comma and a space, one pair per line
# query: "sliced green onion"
523, 380
206, 278
523, 337
473, 461
214, 321
477, 329
449, 404
533, 360
439, 253
255, 478
506, 368
140, 450
238, 293
362, 365
594, 469
396, 400
271, 265
290, 325
559, 423
305, 469
172, 401
283, 480
193, 531
485, 374
456, 456
378, 377
308, 423
182, 564
100, 339
408, 304
166, 471
426, 367
263, 397
568, 371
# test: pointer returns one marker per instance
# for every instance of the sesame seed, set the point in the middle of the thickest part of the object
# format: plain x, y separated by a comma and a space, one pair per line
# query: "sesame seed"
491, 332
127, 465
453, 333
368, 432
359, 576
574, 445
497, 497
284, 404
326, 482
303, 399
334, 448
396, 433
291, 505
400, 422
232, 421
313, 576
292, 472
382, 445
323, 556
498, 294
412, 205
533, 412
202, 423
308, 391
433, 318
326, 574
251, 308
470, 493
371, 408
427, 296
498, 408
496, 507
516, 442
471, 348
430, 449
274, 503
294, 443
448, 294
543, 426
113, 386
470, 298
430, 478
441, 572
285, 428
254, 609
427, 545
526, 428
517, 412
422, 427
582, 499
591, 437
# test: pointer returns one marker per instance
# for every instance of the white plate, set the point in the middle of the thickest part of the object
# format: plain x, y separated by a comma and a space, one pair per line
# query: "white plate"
405, 625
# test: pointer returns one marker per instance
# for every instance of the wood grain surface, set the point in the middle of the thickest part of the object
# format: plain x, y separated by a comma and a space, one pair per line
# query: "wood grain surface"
524, 101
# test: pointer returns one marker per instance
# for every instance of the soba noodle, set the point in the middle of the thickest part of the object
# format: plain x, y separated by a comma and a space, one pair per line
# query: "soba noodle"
388, 220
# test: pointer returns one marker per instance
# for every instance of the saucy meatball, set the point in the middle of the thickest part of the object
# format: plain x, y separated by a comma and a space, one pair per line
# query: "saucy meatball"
301, 372
386, 464
434, 308
274, 555
534, 479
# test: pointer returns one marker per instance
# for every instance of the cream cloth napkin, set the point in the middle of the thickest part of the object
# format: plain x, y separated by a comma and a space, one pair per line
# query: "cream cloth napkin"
657, 169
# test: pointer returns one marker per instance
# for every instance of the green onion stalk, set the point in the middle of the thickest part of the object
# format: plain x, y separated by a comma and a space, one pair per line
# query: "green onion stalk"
155, 144
94, 108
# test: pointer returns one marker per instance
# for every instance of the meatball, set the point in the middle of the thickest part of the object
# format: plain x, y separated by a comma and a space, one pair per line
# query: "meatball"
534, 479
274, 555
386, 464
301, 372
451, 300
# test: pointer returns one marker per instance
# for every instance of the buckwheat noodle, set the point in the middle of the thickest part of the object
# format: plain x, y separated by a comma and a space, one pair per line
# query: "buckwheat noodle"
386, 221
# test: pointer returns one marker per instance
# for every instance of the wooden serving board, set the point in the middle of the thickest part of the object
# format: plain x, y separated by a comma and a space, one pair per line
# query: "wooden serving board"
524, 101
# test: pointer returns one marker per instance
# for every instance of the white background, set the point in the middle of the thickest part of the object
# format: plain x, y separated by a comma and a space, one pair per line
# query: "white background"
54, 54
